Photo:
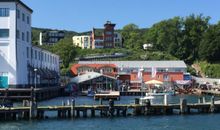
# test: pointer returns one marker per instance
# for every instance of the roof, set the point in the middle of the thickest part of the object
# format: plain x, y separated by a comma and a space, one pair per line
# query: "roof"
139, 64
96, 66
20, 2
87, 76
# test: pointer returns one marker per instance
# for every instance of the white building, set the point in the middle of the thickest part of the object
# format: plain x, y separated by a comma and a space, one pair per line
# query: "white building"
82, 41
51, 37
16, 51
117, 39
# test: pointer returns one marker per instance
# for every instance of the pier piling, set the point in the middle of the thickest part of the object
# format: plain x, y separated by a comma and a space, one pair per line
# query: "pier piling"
183, 106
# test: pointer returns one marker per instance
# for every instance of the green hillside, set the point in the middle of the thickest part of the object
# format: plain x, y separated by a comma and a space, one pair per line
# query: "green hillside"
192, 39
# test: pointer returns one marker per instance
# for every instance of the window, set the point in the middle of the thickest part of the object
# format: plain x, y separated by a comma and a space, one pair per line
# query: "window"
28, 20
23, 17
42, 56
18, 14
108, 33
35, 54
27, 52
31, 53
27, 36
23, 36
4, 12
39, 56
4, 33
18, 34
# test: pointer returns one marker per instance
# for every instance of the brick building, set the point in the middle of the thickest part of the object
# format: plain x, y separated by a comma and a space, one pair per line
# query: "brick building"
106, 37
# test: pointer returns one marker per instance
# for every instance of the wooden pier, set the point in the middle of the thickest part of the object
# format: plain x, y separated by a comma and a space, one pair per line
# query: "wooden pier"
111, 109
20, 94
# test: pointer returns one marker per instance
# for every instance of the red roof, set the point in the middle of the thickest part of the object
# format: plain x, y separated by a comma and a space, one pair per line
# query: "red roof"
96, 66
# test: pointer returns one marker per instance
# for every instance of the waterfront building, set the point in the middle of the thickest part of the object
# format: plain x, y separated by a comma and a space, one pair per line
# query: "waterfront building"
83, 42
135, 73
20, 62
50, 37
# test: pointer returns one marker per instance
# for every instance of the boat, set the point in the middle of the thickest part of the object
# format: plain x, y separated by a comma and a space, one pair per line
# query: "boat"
146, 99
155, 93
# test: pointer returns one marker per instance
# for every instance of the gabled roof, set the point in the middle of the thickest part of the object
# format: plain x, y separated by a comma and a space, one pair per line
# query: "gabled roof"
20, 2
88, 76
139, 64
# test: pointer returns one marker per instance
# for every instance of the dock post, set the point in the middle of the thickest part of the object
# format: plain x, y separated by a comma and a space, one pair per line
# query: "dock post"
69, 113
77, 113
100, 101
124, 112
59, 113
111, 107
199, 100
118, 112
203, 98
137, 110
183, 106
14, 116
33, 109
165, 100
212, 105
85, 113
92, 112
72, 107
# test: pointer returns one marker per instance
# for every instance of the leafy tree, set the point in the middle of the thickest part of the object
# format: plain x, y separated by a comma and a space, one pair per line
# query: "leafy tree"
132, 36
210, 45
65, 49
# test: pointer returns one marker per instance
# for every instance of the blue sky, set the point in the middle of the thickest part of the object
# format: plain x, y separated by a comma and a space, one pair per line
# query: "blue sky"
83, 15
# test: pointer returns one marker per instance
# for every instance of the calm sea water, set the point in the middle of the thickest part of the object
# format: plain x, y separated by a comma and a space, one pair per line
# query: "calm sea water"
173, 122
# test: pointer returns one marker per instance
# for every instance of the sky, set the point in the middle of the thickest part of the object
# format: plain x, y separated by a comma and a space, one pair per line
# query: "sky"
83, 15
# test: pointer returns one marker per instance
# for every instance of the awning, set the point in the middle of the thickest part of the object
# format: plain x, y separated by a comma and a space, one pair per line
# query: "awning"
88, 76
183, 82
153, 82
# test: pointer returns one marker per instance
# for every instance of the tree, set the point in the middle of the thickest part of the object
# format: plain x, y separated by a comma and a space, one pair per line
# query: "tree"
132, 36
193, 29
210, 46
65, 49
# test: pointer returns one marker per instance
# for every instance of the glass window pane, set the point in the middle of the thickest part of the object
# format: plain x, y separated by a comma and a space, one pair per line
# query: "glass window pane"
4, 33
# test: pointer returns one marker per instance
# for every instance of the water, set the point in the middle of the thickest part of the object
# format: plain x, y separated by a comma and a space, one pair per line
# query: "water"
173, 122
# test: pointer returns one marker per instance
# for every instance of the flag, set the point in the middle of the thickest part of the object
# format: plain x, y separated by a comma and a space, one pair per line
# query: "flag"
153, 72
140, 73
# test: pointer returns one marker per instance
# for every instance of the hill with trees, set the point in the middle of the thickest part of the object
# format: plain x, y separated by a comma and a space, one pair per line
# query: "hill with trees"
192, 39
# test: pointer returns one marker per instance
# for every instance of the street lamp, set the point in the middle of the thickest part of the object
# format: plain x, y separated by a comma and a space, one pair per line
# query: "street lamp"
35, 78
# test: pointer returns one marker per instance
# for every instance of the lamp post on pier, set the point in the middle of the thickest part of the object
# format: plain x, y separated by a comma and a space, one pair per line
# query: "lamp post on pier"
35, 83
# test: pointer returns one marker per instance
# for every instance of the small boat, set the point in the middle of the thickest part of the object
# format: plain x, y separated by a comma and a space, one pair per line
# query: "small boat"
160, 93
146, 99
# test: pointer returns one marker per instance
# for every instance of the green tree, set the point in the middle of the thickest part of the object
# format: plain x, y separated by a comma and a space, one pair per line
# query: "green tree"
132, 36
65, 49
193, 30
210, 45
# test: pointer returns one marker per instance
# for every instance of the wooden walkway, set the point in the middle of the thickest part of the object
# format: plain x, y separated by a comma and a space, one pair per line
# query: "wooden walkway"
111, 109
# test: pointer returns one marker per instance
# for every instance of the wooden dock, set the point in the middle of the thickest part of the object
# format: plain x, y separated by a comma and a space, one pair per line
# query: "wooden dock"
111, 109
20, 94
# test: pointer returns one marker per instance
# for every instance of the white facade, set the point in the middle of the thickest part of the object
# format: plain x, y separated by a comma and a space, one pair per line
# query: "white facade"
82, 41
117, 39
15, 45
